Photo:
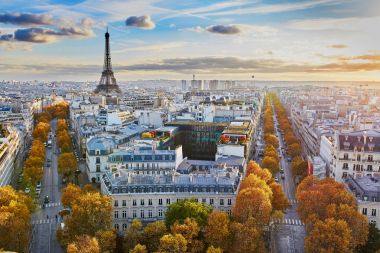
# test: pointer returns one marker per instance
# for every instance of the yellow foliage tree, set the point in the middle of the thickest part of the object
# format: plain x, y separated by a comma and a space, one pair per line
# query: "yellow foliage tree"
84, 244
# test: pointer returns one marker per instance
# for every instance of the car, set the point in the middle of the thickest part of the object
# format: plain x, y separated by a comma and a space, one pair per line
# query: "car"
46, 200
281, 170
27, 190
289, 159
38, 185
283, 176
276, 179
38, 192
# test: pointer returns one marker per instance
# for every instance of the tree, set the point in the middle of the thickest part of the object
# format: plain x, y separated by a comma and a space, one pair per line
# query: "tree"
181, 210
139, 249
211, 249
271, 164
34, 161
373, 242
152, 234
279, 201
264, 174
252, 202
246, 237
271, 139
107, 240
38, 149
295, 149
330, 236
84, 244
172, 244
90, 213
217, 229
15, 210
33, 174
189, 229
299, 167
41, 131
67, 164
256, 182
89, 188
70, 194
133, 235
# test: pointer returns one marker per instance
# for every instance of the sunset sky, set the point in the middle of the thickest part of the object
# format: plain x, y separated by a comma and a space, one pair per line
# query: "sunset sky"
153, 39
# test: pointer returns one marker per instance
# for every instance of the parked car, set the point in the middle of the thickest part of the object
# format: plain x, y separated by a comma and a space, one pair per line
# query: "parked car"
283, 176
276, 179
46, 200
27, 190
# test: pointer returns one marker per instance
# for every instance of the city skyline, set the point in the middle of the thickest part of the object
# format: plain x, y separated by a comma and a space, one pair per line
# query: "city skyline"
274, 40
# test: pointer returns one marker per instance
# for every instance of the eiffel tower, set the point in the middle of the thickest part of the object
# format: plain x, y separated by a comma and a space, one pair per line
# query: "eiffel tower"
107, 84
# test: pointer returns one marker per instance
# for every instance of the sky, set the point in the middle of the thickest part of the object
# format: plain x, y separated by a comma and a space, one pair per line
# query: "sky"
316, 40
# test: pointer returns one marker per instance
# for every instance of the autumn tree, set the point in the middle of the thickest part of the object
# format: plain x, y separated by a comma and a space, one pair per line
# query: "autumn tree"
217, 230
152, 233
107, 240
67, 164
271, 164
299, 167
329, 236
15, 211
133, 235
271, 139
189, 229
33, 174
264, 174
70, 194
254, 181
212, 249
246, 237
90, 213
181, 210
295, 149
84, 244
34, 161
252, 202
279, 201
172, 244
139, 249
41, 131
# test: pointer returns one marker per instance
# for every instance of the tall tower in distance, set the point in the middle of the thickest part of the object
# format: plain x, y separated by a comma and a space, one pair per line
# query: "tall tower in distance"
107, 84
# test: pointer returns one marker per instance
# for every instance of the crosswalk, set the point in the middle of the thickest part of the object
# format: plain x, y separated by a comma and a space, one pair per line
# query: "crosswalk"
45, 221
51, 204
288, 221
293, 201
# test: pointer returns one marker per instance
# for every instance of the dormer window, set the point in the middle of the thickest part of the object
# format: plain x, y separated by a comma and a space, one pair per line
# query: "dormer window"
97, 152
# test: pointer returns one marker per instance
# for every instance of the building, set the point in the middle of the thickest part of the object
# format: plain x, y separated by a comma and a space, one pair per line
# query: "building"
367, 192
10, 145
356, 154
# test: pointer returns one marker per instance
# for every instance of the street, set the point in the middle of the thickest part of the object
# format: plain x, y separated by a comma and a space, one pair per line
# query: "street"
44, 221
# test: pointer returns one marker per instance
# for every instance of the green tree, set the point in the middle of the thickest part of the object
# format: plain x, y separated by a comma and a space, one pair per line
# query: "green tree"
373, 243
133, 235
152, 234
181, 210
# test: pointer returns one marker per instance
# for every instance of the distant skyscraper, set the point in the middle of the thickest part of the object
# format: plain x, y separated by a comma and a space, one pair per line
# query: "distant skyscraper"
107, 84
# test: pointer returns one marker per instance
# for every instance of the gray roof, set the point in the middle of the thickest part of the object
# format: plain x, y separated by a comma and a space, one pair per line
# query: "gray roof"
101, 143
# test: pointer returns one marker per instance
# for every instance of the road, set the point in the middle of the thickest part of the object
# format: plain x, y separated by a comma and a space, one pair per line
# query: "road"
44, 221
289, 232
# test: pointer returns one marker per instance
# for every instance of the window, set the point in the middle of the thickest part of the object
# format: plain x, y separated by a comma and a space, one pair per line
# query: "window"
150, 202
211, 201
168, 201
160, 202
116, 214
142, 202
97, 152
150, 213
369, 167
358, 158
222, 202
203, 200
229, 212
117, 226
97, 168
134, 202
124, 214
370, 158
124, 202
373, 212
116, 203
344, 175
124, 226
364, 211
142, 215
345, 156
345, 166
160, 212
97, 159
134, 213
229, 202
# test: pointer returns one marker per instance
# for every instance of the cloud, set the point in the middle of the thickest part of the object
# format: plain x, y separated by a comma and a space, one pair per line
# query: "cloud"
49, 35
224, 29
25, 19
143, 22
338, 46
238, 65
